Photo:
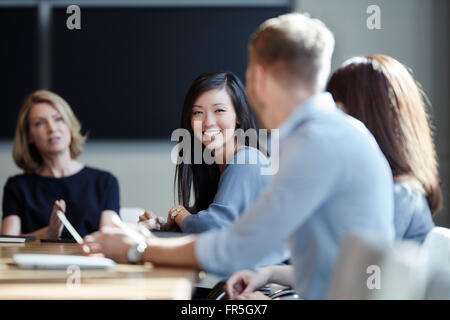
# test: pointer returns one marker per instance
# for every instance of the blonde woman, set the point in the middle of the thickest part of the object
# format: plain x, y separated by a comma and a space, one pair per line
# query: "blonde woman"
47, 143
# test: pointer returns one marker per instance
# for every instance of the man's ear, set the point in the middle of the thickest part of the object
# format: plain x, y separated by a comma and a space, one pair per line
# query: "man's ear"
260, 80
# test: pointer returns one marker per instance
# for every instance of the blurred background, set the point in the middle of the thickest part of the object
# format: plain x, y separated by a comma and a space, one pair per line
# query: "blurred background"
125, 72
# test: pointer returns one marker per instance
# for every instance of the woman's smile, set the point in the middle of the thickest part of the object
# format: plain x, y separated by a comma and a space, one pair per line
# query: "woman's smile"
211, 135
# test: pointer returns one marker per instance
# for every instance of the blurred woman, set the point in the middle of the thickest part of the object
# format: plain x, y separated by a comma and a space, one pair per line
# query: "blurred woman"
47, 143
379, 91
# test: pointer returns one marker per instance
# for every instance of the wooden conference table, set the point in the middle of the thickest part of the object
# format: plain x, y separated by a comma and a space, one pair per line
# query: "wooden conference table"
119, 282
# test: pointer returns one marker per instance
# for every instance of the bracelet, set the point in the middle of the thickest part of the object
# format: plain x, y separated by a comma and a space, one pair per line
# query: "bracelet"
179, 211
176, 211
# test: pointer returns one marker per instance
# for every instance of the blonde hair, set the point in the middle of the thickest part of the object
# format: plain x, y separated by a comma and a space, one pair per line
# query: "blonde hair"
295, 46
26, 155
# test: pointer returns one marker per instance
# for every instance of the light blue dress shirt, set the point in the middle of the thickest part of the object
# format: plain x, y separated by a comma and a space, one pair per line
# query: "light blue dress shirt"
412, 215
239, 186
333, 180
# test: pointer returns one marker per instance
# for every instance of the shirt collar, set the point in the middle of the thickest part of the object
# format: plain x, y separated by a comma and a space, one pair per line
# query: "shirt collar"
320, 101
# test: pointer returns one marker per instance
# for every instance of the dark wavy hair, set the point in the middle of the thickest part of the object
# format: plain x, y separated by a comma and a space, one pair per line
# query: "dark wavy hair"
203, 178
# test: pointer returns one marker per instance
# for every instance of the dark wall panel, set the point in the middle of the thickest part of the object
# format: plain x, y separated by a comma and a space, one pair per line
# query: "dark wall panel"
18, 63
125, 73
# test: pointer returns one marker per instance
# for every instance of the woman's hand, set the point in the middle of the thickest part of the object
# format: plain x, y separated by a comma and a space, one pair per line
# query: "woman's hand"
245, 282
175, 218
55, 225
151, 221
170, 225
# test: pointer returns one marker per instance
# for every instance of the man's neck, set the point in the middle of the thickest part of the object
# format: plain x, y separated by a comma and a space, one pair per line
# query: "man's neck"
284, 103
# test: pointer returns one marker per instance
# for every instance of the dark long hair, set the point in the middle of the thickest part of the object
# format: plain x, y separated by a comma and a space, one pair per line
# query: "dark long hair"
379, 91
204, 178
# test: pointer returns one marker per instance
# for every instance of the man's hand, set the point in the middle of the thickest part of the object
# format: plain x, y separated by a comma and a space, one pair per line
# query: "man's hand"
115, 241
245, 282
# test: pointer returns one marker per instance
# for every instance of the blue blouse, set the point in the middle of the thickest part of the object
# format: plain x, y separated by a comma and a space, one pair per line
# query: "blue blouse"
412, 215
239, 185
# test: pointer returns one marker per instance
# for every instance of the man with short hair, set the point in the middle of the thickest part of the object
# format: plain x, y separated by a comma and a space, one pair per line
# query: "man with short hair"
333, 179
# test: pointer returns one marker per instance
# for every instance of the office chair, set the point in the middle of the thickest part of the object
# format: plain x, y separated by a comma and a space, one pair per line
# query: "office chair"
349, 276
438, 287
367, 268
284, 294
404, 273
437, 248
273, 291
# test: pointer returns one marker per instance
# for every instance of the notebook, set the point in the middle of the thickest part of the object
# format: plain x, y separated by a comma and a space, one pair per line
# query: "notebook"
58, 261
15, 239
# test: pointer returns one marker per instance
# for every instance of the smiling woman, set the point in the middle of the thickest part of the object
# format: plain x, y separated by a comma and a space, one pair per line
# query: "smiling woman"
214, 121
215, 108
46, 145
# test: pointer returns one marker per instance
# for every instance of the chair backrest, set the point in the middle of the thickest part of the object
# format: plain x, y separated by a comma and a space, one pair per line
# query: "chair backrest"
131, 215
437, 248
438, 287
403, 272
358, 255
367, 268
